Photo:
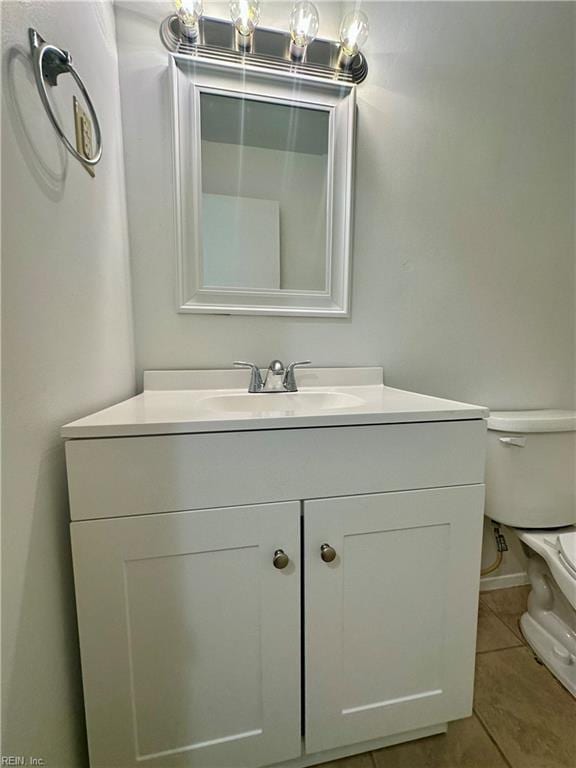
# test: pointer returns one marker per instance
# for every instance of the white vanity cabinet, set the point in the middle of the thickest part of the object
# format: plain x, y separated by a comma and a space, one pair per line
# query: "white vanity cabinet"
199, 651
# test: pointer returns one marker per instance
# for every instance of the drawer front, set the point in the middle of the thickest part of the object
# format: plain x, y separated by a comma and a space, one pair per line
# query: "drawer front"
116, 477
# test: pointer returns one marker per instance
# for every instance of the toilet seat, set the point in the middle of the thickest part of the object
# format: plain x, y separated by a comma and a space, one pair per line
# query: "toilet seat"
567, 551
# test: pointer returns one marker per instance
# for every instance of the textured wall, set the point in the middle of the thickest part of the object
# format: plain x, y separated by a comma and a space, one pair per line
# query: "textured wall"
67, 350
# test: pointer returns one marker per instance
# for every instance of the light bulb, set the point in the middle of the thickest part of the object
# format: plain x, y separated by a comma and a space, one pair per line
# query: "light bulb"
353, 32
189, 13
304, 22
245, 14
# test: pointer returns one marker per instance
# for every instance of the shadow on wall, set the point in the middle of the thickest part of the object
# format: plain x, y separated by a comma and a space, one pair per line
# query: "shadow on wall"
47, 589
67, 349
29, 120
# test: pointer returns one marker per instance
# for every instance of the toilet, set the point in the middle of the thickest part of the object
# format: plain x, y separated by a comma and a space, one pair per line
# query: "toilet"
531, 488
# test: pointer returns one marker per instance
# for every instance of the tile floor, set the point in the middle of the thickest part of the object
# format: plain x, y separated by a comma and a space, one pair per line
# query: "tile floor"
523, 718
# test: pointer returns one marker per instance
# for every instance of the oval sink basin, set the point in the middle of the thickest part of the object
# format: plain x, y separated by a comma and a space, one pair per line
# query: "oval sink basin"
281, 402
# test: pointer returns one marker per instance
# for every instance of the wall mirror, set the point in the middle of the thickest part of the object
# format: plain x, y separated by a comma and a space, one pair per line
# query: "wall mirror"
263, 192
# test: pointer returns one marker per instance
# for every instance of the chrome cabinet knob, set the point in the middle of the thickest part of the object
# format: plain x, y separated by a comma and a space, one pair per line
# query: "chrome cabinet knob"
280, 559
327, 553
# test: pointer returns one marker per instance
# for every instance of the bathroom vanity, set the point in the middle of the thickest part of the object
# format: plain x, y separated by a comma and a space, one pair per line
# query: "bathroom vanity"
274, 578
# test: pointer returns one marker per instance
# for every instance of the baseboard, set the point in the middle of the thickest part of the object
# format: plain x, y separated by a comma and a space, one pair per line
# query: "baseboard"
489, 583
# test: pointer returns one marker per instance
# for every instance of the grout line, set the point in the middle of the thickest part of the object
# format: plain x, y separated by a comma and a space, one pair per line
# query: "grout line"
492, 610
374, 763
519, 647
516, 632
519, 644
496, 613
492, 738
485, 604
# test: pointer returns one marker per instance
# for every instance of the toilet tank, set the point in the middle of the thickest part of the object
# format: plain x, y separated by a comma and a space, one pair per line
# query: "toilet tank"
531, 468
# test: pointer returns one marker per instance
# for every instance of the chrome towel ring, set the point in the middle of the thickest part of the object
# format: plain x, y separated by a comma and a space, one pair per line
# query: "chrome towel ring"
48, 63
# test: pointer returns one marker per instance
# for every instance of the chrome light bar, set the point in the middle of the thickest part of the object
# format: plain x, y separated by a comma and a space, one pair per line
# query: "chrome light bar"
270, 52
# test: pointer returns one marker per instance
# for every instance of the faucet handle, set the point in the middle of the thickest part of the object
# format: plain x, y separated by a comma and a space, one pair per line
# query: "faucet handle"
256, 383
289, 377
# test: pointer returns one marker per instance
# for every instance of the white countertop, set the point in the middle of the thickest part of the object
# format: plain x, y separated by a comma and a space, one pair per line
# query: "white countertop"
176, 402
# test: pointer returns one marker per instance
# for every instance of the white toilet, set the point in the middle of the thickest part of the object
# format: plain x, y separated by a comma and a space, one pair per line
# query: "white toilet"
531, 487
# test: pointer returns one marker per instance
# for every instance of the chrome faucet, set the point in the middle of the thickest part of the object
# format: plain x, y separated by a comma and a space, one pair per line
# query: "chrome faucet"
275, 369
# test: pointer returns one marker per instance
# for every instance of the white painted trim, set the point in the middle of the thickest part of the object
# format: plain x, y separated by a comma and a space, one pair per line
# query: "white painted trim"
489, 583
208, 291
186, 84
176, 187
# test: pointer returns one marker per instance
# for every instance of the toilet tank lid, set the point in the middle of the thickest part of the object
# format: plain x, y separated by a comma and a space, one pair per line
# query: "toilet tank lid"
532, 421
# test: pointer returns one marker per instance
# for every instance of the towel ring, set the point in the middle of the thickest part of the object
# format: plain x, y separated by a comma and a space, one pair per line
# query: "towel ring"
49, 62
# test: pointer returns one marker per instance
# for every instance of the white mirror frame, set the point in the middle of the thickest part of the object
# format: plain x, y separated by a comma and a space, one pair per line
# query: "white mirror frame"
188, 81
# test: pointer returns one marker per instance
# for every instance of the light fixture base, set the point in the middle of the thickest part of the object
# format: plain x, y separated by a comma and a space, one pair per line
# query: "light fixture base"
244, 43
345, 59
297, 52
191, 33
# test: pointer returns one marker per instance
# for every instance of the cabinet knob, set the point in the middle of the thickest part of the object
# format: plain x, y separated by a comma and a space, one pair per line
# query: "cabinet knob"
280, 559
327, 553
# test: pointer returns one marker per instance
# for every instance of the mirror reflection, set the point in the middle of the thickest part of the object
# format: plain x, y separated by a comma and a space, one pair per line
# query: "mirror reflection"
264, 188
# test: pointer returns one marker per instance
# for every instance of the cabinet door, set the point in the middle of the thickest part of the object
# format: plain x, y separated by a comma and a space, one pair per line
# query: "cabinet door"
391, 621
190, 637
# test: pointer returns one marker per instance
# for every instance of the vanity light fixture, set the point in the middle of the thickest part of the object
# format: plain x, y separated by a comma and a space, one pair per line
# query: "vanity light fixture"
245, 15
304, 21
354, 31
189, 13
242, 43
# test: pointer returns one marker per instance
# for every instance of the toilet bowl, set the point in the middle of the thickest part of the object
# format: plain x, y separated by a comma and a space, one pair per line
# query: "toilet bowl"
530, 487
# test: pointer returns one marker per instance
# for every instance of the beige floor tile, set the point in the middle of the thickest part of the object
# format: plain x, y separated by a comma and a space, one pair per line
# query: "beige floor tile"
508, 604
526, 711
465, 745
357, 761
493, 634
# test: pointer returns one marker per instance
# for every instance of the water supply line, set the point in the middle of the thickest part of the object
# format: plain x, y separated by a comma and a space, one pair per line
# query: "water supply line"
501, 547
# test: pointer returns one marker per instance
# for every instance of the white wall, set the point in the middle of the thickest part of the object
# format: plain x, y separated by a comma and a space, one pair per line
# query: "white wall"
67, 350
294, 179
